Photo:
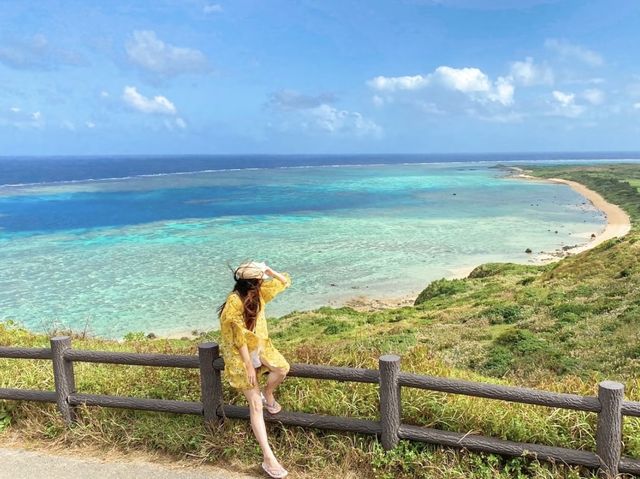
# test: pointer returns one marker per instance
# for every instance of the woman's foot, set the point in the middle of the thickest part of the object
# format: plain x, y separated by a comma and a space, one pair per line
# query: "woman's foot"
272, 407
274, 469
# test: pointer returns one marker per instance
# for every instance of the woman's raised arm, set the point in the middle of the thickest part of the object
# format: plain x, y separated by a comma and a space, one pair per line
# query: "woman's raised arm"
271, 288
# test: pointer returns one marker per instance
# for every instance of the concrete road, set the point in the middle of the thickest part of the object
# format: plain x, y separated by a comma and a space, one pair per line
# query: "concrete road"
23, 464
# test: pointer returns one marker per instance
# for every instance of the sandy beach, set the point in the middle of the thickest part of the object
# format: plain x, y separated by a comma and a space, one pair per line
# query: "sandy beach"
618, 221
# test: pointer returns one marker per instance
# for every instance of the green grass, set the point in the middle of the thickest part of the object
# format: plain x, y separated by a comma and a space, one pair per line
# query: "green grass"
559, 327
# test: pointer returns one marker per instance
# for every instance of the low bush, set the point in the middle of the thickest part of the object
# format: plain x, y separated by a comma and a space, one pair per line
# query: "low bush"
441, 287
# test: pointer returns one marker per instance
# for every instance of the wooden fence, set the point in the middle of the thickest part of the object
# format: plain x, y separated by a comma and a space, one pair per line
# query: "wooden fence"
609, 404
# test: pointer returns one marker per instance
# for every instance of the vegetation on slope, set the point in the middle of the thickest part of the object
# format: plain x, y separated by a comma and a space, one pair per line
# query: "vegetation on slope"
560, 327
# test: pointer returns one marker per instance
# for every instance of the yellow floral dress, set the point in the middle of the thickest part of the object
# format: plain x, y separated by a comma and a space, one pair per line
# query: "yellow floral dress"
234, 334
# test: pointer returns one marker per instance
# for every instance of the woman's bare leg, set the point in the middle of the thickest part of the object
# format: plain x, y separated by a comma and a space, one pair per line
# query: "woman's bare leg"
258, 426
274, 379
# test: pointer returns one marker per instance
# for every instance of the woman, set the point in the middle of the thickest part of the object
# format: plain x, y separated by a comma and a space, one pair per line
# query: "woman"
248, 352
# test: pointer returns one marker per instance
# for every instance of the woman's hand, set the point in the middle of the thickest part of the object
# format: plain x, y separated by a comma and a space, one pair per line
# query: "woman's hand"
274, 274
248, 365
251, 375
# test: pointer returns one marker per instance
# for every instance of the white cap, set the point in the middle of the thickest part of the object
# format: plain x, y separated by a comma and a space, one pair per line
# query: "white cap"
251, 270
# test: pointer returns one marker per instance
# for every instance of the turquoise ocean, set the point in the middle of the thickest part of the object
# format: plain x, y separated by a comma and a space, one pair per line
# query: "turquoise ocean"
116, 246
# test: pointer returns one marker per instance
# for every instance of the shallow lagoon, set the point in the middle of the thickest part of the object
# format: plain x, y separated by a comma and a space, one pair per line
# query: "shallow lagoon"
152, 253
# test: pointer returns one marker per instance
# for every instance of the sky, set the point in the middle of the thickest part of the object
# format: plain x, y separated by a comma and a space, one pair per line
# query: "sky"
86, 77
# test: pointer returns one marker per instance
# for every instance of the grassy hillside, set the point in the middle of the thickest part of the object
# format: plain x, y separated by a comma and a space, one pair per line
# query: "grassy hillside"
560, 327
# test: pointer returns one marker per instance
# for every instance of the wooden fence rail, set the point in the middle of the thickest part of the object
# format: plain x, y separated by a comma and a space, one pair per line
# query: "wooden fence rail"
609, 404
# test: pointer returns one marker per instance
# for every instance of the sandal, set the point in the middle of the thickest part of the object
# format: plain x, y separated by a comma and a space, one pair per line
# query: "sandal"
274, 408
275, 472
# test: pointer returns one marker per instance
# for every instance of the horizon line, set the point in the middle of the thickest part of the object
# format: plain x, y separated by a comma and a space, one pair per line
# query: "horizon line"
165, 155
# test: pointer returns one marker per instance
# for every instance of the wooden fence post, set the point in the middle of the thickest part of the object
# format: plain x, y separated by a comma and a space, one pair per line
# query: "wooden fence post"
609, 433
210, 382
389, 366
64, 378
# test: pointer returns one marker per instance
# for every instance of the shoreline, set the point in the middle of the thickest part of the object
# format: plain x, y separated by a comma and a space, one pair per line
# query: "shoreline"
618, 224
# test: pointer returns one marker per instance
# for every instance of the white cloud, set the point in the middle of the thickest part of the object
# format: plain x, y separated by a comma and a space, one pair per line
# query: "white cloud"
637, 105
461, 79
564, 99
156, 105
304, 112
333, 120
390, 84
180, 123
594, 96
150, 53
476, 84
90, 124
565, 105
503, 92
212, 8
573, 51
465, 80
316, 114
528, 73
472, 82
104, 94
16, 117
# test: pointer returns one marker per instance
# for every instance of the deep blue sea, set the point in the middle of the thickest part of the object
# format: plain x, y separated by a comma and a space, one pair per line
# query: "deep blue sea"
119, 244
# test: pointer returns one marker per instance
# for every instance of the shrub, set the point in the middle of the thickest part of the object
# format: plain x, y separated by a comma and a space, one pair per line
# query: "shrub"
494, 269
630, 315
569, 313
583, 290
441, 287
521, 341
504, 313
5, 418
568, 318
520, 349
633, 352
337, 327
135, 336
498, 362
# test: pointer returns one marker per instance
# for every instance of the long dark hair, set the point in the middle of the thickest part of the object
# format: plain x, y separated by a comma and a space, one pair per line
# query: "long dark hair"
249, 292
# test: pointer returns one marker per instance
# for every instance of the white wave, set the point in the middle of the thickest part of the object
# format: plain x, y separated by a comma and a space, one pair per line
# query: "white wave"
336, 165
